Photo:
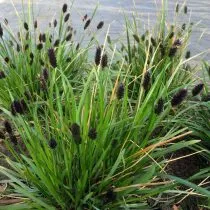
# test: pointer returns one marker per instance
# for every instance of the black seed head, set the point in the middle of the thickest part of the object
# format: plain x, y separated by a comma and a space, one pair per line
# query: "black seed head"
26, 26
179, 97
77, 47
1, 31
13, 139
177, 8
17, 106
188, 54
2, 75
6, 21
120, 91
23, 105
45, 74
172, 52
68, 60
159, 106
40, 46
183, 26
68, 37
52, 143
75, 130
136, 37
146, 81
85, 17
57, 42
65, 7
98, 56
26, 47
31, 56
100, 25
6, 60
153, 41
35, 24
40, 37
177, 43
185, 10
171, 35
197, 89
8, 127
87, 24
18, 48
110, 196
66, 18
52, 57
92, 134
104, 61
55, 23
143, 37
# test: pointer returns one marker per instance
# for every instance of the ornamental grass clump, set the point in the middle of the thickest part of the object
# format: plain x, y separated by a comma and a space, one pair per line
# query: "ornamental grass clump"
91, 138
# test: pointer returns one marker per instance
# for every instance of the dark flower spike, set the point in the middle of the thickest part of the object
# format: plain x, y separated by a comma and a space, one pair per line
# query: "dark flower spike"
52, 57
110, 195
1, 31
26, 26
23, 105
35, 24
2, 75
17, 106
45, 74
87, 24
65, 7
75, 130
13, 111
41, 62
44, 37
98, 56
120, 91
177, 8
188, 54
183, 26
153, 41
197, 89
8, 127
57, 42
77, 47
100, 25
52, 143
185, 9
6, 60
146, 80
6, 21
104, 61
172, 52
92, 134
177, 43
85, 17
40, 37
13, 139
31, 56
159, 106
66, 18
40, 46
171, 35
136, 38
179, 97
68, 37
55, 23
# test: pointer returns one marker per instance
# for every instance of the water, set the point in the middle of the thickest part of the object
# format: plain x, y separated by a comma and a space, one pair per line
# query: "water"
111, 11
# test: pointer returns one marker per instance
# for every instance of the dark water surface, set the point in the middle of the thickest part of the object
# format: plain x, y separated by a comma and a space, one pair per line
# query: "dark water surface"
111, 11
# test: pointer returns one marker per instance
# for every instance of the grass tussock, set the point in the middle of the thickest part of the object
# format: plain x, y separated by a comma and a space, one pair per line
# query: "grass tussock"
103, 130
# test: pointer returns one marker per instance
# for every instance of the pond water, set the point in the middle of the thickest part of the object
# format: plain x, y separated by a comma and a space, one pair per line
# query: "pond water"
112, 11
